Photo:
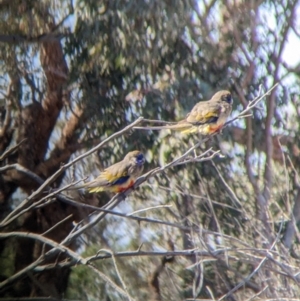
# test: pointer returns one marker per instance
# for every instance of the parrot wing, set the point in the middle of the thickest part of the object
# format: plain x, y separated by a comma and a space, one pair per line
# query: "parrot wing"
204, 112
116, 174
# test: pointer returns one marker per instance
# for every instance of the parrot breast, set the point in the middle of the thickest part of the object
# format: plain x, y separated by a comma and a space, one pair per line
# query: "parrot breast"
124, 186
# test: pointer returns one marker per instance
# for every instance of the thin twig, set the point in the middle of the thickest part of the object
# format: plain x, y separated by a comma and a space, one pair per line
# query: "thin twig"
231, 192
10, 151
119, 274
57, 224
149, 208
254, 271
109, 281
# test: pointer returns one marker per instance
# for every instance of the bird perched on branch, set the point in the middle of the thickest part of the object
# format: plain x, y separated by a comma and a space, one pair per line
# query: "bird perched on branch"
206, 117
119, 176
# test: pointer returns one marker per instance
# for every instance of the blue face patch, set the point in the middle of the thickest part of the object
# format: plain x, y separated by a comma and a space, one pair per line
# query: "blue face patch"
228, 98
140, 159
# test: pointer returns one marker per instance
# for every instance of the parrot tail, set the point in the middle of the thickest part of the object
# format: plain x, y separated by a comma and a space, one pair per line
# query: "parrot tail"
184, 127
90, 190
95, 189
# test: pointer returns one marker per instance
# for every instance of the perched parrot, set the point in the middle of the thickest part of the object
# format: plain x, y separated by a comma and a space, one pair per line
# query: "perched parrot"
119, 176
206, 117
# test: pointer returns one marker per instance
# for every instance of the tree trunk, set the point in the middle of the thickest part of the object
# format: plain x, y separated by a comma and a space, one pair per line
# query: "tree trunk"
35, 125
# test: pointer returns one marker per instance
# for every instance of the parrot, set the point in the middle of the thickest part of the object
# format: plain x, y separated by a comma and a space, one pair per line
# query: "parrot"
119, 176
205, 118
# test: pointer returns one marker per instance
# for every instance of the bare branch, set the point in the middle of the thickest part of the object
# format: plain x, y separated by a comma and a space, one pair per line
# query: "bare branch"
56, 248
11, 151
40, 260
119, 274
109, 281
46, 183
44, 240
252, 104
255, 270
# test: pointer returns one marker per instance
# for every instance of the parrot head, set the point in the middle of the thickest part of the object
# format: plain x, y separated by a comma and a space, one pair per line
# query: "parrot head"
136, 160
226, 96
135, 157
223, 96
